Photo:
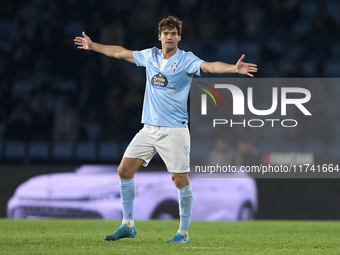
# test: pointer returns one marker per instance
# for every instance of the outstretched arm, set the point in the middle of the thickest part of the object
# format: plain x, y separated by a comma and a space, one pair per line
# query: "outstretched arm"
221, 68
109, 50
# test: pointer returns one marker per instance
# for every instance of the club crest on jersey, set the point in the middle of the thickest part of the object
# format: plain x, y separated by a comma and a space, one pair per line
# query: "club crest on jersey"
159, 81
174, 66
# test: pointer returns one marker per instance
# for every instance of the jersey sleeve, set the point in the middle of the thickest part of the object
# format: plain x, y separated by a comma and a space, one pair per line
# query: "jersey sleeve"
193, 64
141, 56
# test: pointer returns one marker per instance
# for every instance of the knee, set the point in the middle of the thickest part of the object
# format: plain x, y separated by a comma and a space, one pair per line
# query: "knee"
173, 178
180, 180
124, 172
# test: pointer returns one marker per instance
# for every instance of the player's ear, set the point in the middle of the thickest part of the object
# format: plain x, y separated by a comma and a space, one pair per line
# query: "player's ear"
159, 37
179, 38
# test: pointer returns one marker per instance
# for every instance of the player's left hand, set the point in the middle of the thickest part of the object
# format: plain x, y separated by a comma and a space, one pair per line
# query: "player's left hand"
245, 68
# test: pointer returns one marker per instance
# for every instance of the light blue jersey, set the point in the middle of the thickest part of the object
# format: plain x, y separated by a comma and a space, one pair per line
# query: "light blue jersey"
166, 91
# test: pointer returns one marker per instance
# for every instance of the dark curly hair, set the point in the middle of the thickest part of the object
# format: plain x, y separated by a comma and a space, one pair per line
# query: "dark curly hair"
170, 23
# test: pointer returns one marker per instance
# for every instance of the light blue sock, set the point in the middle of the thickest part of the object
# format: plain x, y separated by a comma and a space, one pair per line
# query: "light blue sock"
185, 199
127, 195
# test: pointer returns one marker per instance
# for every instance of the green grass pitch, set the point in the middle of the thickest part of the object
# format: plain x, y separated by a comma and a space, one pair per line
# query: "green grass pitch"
252, 237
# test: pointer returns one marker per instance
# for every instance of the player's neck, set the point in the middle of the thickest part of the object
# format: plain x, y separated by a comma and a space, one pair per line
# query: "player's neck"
167, 55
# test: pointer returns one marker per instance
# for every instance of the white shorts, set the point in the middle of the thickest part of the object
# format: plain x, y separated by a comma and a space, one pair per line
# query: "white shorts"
172, 144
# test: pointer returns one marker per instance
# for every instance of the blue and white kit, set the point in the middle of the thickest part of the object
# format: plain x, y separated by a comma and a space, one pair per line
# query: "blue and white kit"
165, 112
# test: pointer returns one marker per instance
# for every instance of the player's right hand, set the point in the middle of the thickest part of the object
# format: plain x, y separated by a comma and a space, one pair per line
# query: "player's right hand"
83, 42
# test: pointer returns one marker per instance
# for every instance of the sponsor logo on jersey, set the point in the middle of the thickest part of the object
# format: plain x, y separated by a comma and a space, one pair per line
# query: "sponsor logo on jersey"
159, 81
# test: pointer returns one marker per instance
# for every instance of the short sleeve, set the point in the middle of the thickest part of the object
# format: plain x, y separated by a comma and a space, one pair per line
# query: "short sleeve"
141, 56
193, 64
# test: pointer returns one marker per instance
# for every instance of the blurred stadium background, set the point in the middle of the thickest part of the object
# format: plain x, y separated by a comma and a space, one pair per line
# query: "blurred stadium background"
61, 107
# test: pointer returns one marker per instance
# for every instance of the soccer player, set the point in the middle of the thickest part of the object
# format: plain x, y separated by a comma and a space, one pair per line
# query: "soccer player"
169, 71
